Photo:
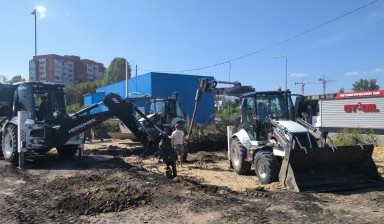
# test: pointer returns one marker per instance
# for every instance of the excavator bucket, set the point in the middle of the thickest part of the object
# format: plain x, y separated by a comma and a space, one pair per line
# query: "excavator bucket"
330, 169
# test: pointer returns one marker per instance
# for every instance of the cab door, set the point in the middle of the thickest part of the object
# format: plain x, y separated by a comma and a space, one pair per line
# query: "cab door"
7, 92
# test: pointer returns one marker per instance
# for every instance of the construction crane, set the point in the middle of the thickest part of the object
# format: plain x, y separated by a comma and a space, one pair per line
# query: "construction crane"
324, 82
302, 83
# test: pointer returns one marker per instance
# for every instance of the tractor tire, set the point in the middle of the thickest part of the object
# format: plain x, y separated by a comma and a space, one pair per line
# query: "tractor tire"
67, 151
9, 144
238, 153
267, 167
1, 151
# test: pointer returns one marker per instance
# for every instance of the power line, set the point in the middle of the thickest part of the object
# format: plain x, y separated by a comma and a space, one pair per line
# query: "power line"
276, 44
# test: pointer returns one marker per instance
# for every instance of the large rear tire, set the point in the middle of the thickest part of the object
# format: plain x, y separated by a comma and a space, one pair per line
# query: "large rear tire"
9, 144
267, 167
238, 154
67, 151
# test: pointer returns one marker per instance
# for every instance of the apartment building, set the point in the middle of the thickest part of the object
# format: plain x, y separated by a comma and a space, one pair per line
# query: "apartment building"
64, 69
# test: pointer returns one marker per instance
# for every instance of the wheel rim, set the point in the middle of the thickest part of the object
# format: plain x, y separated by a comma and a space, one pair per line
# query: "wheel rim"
261, 169
8, 145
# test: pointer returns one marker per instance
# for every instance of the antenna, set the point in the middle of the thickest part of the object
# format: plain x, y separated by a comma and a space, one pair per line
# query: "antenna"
324, 82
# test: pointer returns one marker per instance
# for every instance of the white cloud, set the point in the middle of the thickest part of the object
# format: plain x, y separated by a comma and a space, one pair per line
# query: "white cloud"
298, 74
377, 16
354, 73
378, 71
41, 11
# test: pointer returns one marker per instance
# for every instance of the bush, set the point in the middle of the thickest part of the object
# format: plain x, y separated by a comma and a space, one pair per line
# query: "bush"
355, 137
73, 108
109, 125
227, 117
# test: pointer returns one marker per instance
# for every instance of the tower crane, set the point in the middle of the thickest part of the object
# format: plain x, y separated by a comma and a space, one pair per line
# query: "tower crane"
324, 82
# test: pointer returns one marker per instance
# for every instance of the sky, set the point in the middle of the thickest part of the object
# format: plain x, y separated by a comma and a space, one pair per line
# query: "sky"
250, 41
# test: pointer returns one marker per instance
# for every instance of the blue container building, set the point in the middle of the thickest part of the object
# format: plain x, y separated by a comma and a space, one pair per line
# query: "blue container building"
160, 85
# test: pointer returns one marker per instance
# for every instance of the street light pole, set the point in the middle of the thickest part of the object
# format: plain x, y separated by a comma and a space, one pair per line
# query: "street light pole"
35, 58
286, 69
34, 13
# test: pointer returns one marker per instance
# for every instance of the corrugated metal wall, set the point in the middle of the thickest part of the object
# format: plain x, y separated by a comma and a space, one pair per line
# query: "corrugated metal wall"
90, 99
118, 87
162, 85
333, 115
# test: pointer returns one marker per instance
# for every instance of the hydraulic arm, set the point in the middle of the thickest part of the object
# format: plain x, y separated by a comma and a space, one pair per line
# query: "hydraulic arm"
206, 85
123, 109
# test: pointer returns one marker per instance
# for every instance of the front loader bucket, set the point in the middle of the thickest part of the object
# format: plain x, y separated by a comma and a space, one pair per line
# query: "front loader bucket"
328, 169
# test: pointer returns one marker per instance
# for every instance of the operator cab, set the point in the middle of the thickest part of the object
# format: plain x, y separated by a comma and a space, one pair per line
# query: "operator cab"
43, 101
258, 107
6, 101
167, 110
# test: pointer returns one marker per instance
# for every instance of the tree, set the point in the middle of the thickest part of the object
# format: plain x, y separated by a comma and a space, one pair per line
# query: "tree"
341, 90
74, 93
116, 71
3, 79
365, 84
16, 78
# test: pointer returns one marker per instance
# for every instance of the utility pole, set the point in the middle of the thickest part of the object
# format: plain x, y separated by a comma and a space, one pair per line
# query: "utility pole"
286, 69
324, 82
126, 78
136, 76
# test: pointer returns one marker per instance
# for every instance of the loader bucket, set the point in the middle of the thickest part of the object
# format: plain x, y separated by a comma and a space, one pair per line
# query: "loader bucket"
328, 169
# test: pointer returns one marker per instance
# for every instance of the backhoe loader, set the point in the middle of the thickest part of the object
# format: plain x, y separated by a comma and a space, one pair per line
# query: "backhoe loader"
47, 125
284, 148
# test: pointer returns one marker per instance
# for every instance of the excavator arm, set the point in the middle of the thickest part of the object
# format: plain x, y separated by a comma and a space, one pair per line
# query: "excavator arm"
210, 86
121, 108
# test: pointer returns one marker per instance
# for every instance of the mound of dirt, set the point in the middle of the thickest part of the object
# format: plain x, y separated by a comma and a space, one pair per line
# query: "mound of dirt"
209, 142
92, 194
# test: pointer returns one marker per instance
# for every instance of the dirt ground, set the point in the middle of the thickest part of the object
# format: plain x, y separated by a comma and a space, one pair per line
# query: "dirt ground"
118, 181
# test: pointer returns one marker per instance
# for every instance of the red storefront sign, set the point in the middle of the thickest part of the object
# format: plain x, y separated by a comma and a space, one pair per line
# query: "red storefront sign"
361, 94
366, 108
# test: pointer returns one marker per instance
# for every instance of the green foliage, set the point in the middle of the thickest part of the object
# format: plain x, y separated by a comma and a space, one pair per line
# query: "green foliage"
354, 137
16, 78
200, 131
365, 84
73, 108
75, 93
116, 71
108, 126
3, 79
229, 116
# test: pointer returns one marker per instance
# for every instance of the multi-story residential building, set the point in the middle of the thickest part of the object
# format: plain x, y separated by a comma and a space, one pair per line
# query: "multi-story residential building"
64, 69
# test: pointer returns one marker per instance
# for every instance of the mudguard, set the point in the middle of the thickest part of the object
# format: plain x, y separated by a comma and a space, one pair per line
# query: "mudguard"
243, 137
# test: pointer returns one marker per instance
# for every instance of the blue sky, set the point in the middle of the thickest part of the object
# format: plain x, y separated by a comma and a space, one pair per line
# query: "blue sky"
176, 35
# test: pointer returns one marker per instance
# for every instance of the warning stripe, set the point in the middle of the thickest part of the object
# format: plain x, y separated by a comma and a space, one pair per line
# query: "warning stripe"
22, 135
